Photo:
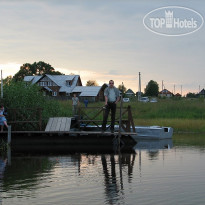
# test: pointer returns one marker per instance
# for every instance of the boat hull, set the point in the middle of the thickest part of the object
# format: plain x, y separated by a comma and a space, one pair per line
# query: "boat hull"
144, 132
153, 132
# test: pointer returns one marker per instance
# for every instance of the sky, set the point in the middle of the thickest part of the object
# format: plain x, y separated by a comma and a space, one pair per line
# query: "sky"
102, 40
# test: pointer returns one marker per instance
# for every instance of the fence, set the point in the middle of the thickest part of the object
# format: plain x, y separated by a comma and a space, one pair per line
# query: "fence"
25, 119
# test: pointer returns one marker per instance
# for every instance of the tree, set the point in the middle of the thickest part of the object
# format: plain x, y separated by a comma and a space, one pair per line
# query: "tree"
191, 95
7, 80
152, 88
122, 89
39, 68
91, 83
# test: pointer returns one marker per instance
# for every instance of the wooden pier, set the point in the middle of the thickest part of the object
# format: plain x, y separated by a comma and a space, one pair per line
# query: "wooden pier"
56, 138
72, 131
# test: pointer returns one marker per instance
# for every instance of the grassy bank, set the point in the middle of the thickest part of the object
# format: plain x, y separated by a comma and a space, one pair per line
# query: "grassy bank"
193, 140
179, 125
183, 115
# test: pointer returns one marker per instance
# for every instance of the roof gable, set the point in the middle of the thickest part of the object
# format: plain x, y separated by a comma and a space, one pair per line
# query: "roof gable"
129, 92
165, 91
202, 92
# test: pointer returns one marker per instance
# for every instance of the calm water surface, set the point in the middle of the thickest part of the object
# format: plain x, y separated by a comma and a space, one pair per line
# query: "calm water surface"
152, 173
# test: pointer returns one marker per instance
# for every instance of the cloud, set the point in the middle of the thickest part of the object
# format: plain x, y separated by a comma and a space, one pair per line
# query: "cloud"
105, 39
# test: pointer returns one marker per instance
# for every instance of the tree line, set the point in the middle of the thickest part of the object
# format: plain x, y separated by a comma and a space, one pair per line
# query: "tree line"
41, 68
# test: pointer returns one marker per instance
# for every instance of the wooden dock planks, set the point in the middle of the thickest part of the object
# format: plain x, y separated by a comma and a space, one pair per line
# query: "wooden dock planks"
58, 124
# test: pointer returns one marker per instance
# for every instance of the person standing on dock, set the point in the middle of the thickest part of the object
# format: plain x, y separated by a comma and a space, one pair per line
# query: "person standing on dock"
112, 97
75, 104
3, 120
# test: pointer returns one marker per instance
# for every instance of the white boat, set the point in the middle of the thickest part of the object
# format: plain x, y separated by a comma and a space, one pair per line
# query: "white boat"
153, 132
143, 132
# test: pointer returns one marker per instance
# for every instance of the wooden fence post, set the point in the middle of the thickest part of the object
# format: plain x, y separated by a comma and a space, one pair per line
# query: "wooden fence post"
130, 119
40, 118
9, 135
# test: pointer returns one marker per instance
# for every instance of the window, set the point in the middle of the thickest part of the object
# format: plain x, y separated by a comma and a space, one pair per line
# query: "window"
50, 83
68, 83
54, 93
43, 83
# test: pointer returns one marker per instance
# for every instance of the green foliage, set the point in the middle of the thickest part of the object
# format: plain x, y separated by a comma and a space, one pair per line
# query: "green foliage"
91, 83
18, 95
122, 89
39, 68
152, 88
191, 95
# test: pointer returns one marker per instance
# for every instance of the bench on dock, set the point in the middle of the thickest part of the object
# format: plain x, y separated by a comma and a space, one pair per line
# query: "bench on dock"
61, 124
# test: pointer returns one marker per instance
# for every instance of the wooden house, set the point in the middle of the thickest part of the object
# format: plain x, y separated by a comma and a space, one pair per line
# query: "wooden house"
178, 95
165, 93
202, 93
55, 85
63, 87
129, 93
90, 93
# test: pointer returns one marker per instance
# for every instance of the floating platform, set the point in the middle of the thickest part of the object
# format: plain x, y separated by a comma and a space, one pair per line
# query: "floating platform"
69, 138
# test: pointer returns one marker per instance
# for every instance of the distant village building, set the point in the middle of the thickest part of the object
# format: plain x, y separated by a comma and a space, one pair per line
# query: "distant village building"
177, 95
129, 93
91, 93
165, 93
63, 86
202, 93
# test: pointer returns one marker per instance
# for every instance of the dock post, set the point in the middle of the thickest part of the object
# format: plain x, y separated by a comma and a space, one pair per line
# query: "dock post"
9, 135
9, 154
120, 120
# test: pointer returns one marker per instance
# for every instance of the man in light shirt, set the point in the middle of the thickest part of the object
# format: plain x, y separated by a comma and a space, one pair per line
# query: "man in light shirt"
75, 104
112, 97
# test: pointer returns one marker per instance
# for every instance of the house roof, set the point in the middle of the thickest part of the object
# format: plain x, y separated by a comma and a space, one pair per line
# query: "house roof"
59, 80
48, 89
86, 91
129, 92
165, 91
202, 92
32, 79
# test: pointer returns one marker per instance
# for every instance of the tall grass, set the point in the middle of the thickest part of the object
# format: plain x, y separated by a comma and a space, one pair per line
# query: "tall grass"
183, 115
181, 109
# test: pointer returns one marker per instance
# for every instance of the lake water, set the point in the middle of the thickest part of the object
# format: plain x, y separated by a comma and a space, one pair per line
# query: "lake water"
172, 173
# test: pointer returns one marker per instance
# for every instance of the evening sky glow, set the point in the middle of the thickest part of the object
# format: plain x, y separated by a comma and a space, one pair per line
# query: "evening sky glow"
101, 40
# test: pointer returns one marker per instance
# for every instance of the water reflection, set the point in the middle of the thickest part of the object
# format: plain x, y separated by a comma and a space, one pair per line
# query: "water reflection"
24, 171
102, 177
3, 162
153, 147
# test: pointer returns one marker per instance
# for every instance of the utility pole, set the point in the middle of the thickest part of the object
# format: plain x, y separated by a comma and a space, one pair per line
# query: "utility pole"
2, 95
181, 90
139, 90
